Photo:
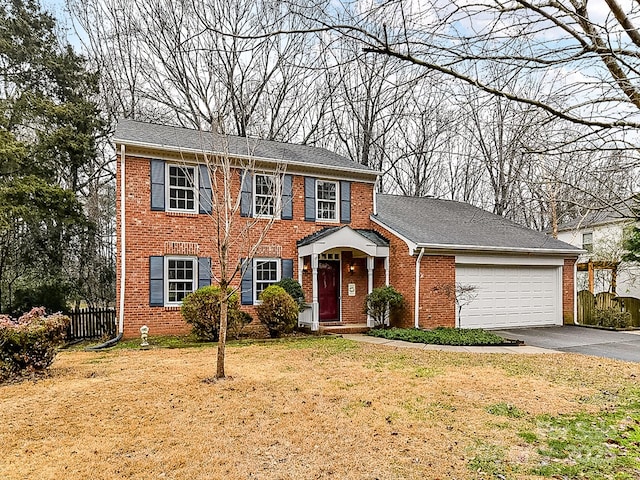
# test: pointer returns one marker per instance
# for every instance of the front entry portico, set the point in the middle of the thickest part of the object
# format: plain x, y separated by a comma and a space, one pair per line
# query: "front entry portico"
337, 268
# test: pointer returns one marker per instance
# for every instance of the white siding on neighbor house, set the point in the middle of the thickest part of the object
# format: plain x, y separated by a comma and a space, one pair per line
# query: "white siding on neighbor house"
606, 239
511, 296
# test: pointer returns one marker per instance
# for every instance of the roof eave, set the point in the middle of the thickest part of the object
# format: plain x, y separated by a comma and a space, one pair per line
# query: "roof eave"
195, 151
498, 249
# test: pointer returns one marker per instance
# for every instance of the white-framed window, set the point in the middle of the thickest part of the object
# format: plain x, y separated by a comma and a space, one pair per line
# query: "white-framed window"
587, 242
265, 195
182, 188
266, 271
181, 278
327, 201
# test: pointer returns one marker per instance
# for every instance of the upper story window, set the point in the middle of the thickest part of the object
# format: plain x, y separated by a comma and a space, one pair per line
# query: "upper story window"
266, 271
587, 242
327, 200
181, 278
265, 196
181, 188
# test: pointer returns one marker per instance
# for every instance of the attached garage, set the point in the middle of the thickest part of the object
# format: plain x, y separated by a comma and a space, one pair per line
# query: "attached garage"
523, 278
511, 295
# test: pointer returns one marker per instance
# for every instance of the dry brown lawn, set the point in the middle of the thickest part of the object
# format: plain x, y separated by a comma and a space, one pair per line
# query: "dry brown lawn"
307, 409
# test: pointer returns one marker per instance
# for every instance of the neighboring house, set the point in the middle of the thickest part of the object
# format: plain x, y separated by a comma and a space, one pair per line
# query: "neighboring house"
335, 235
601, 269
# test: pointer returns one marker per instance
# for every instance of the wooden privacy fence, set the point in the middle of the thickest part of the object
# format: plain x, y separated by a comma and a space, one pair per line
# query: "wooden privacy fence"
92, 323
588, 303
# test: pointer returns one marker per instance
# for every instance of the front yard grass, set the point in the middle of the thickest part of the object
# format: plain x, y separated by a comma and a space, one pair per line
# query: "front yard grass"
440, 336
322, 408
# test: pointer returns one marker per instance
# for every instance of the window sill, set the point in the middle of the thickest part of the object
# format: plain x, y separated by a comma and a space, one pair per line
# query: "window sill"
328, 222
172, 213
172, 308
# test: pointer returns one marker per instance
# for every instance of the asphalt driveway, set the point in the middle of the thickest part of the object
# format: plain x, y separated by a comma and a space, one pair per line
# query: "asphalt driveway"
589, 341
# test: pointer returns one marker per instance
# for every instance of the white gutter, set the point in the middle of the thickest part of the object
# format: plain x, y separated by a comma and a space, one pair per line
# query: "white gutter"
416, 307
254, 158
482, 248
122, 242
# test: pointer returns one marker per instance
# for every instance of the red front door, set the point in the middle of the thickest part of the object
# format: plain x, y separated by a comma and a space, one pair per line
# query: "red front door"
328, 290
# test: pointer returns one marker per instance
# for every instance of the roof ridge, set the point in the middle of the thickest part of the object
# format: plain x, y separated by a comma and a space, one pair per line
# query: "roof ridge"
240, 137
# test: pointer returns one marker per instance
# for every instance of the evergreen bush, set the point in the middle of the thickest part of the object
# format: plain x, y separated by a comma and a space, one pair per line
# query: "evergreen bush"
201, 309
611, 318
379, 300
278, 311
293, 288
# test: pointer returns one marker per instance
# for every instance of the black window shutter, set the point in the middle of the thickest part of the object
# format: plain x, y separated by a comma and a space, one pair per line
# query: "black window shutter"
345, 202
246, 194
157, 185
205, 190
287, 268
246, 285
156, 281
204, 272
287, 198
310, 199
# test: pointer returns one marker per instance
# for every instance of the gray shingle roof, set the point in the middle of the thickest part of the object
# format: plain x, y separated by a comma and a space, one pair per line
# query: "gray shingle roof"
593, 218
371, 235
177, 138
430, 221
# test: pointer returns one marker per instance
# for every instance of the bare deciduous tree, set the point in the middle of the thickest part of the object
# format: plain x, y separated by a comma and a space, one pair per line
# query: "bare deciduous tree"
237, 236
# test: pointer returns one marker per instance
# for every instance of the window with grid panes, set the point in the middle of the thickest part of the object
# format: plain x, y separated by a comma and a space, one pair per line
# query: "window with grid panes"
326, 200
265, 196
181, 278
182, 192
265, 272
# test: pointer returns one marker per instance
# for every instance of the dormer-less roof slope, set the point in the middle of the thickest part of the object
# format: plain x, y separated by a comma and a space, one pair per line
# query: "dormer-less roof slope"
450, 225
594, 218
163, 137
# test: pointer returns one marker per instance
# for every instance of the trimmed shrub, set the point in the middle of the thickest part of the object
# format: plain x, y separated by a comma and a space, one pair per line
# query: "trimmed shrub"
611, 318
293, 288
201, 309
30, 344
238, 322
377, 302
278, 311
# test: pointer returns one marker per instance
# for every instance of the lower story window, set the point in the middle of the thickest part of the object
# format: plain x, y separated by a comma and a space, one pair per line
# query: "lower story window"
181, 278
266, 272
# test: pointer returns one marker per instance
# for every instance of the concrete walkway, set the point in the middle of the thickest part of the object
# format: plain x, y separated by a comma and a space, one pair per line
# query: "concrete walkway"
446, 348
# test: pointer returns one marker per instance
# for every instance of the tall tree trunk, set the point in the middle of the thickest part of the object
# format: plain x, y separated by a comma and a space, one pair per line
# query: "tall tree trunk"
224, 309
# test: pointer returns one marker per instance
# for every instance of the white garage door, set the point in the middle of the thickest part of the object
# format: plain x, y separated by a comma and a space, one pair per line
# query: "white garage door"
511, 296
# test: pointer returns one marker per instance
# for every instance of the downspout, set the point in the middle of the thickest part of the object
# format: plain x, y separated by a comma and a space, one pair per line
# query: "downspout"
113, 341
575, 291
122, 242
416, 307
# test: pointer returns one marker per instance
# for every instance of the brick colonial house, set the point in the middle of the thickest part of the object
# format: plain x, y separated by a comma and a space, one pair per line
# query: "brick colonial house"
333, 234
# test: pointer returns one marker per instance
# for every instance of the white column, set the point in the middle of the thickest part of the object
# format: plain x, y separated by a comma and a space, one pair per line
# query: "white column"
370, 264
300, 269
315, 321
386, 271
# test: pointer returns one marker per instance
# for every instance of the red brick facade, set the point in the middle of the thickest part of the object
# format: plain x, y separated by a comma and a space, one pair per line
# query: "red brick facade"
150, 233
158, 233
568, 291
